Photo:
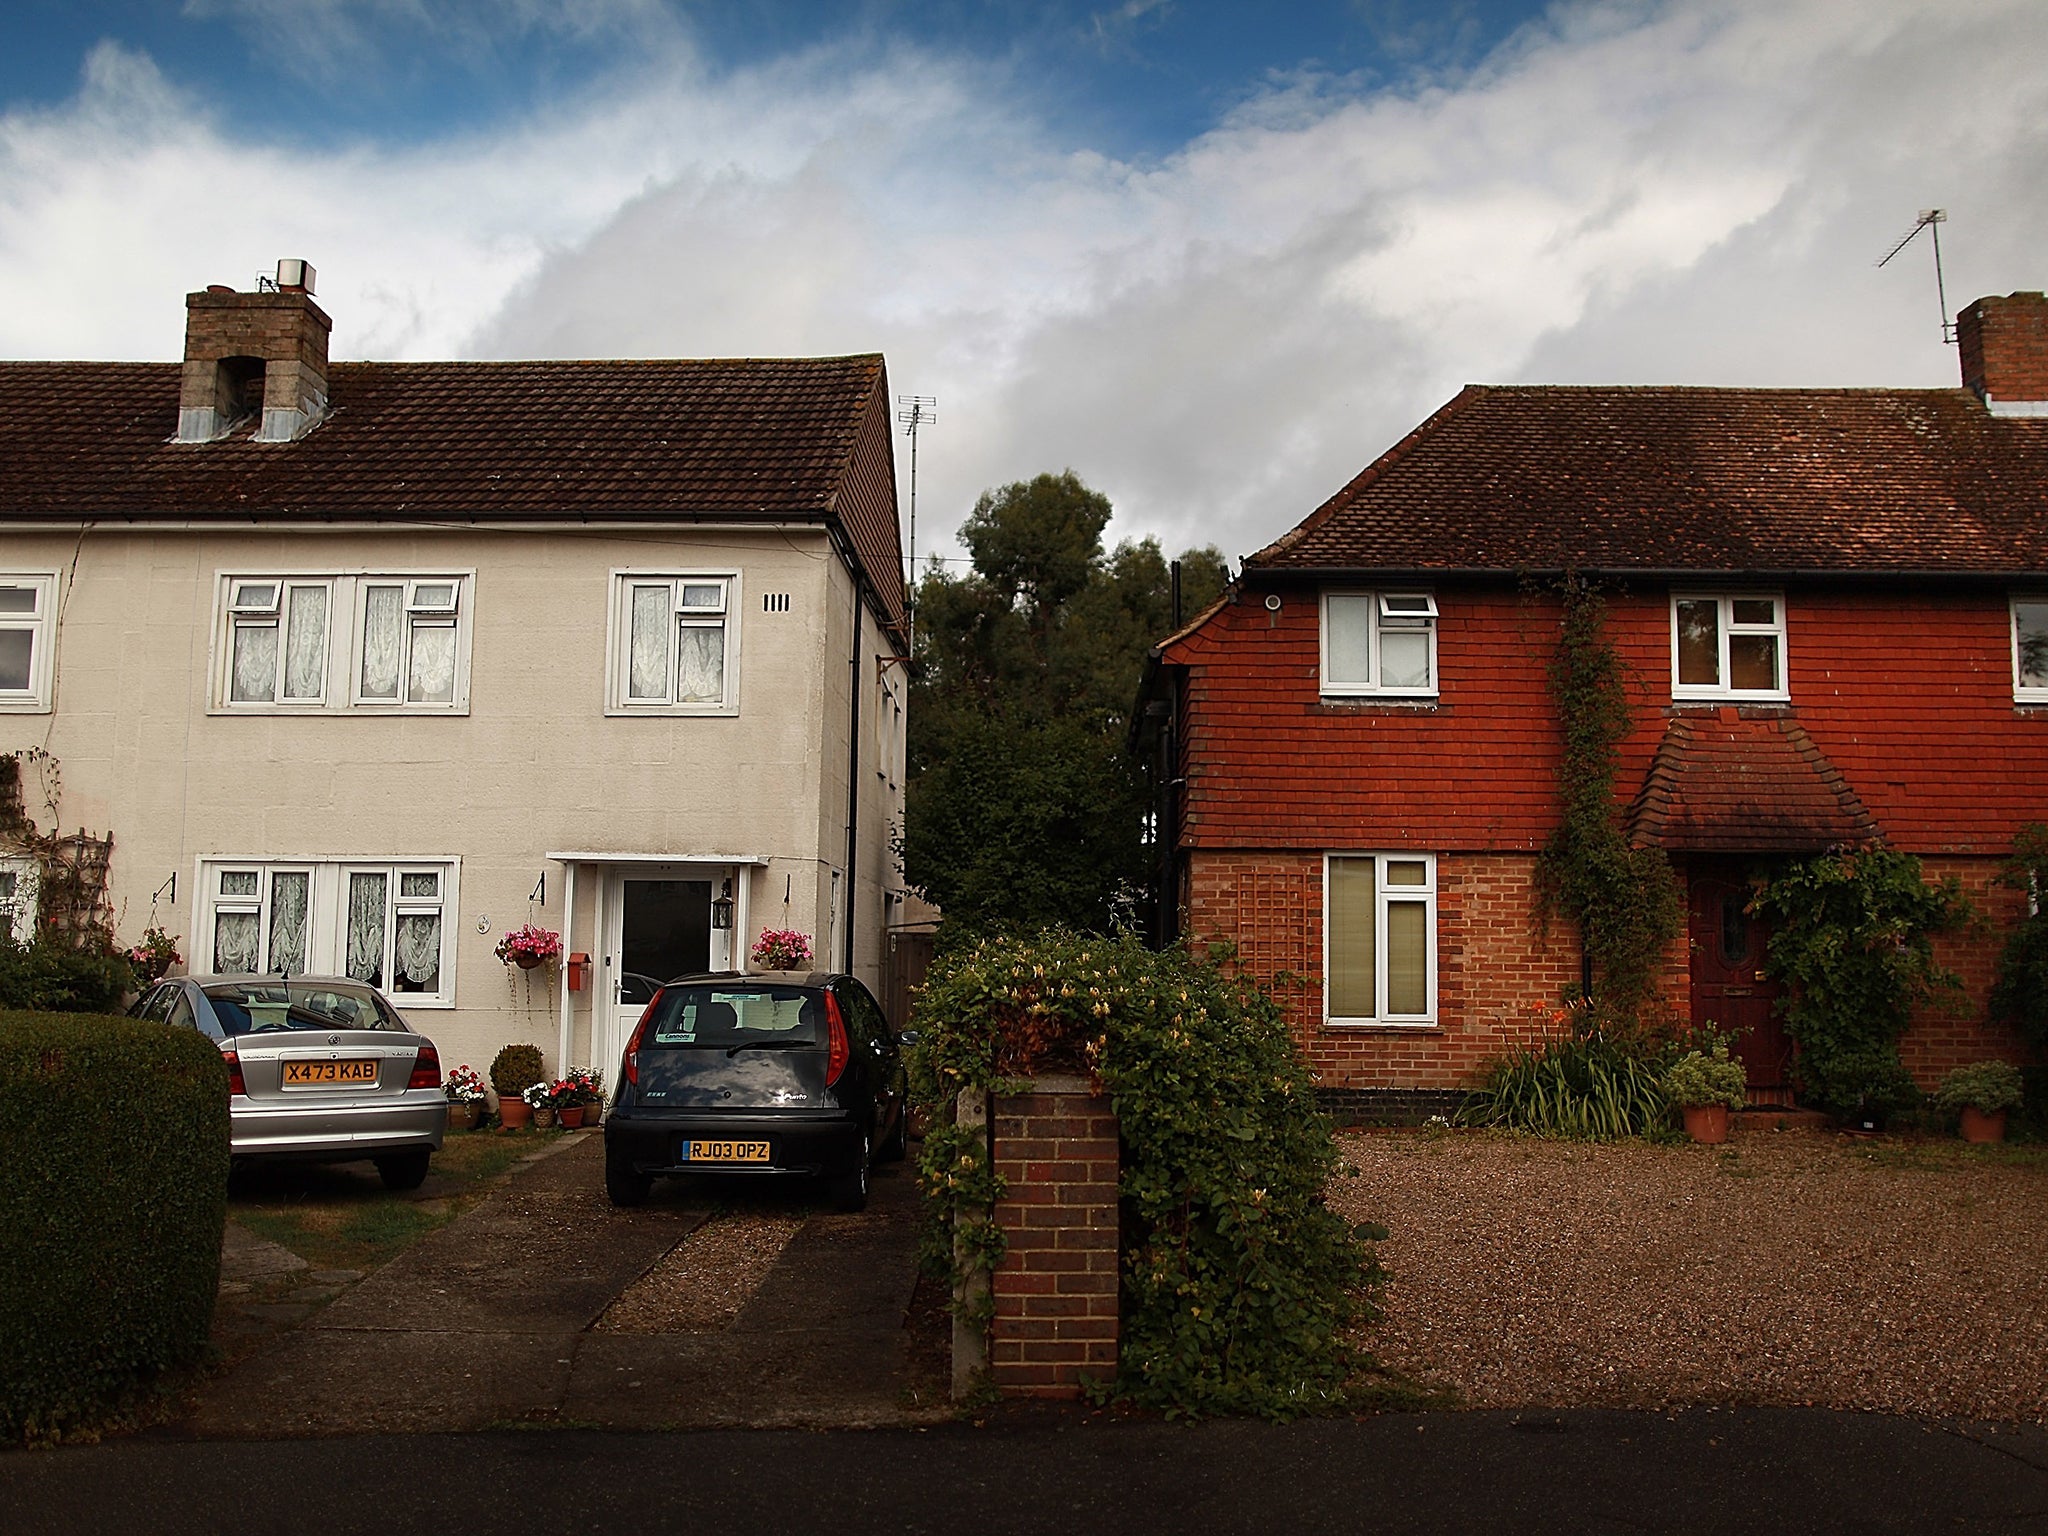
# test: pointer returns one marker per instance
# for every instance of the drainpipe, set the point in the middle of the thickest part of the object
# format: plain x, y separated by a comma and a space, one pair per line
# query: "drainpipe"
853, 777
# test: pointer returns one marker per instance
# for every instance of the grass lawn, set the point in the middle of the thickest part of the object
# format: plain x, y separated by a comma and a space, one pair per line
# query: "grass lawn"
340, 1216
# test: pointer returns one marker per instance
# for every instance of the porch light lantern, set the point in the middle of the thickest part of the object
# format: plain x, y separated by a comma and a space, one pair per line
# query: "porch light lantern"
721, 906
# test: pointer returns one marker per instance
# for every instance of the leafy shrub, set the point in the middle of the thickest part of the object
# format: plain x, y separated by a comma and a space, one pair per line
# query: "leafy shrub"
517, 1068
1700, 1078
1853, 938
1989, 1086
1580, 1085
51, 975
113, 1196
2019, 994
1238, 1284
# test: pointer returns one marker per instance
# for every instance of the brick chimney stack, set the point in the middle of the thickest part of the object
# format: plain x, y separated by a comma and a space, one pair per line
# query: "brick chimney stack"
255, 352
2004, 347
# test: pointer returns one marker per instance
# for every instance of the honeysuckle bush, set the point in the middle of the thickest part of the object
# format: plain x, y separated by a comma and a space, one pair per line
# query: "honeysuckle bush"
1240, 1288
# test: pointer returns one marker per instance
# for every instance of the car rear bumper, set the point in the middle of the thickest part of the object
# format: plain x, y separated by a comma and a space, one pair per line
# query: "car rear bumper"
658, 1144
339, 1131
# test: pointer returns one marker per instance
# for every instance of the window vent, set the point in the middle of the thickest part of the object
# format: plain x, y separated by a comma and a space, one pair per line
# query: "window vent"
775, 602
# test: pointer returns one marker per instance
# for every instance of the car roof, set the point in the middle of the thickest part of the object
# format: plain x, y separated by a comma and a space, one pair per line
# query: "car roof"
770, 978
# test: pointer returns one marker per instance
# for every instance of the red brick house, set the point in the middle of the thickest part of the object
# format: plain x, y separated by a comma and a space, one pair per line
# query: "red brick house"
1832, 607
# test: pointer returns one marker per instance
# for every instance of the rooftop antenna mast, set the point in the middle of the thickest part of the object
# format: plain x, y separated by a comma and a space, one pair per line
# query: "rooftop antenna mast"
1931, 220
914, 411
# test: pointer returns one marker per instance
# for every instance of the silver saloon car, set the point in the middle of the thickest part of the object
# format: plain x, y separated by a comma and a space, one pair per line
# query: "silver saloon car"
320, 1069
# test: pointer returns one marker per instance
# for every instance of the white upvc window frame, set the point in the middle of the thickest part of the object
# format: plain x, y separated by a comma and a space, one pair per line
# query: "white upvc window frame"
39, 622
21, 880
327, 914
687, 607
1385, 895
889, 737
253, 599
1389, 612
2024, 692
1729, 629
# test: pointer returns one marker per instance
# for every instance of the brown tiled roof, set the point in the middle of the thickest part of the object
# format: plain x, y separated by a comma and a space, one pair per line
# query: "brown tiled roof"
1545, 478
659, 439
1720, 782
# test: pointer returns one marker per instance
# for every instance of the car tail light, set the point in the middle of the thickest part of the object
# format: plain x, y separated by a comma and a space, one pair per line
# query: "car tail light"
236, 1087
630, 1067
426, 1068
838, 1051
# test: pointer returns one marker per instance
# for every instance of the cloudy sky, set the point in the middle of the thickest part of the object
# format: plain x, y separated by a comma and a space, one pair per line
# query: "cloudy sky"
1213, 257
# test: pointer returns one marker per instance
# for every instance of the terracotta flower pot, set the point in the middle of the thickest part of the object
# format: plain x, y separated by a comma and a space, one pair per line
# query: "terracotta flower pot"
514, 1113
593, 1113
463, 1114
1707, 1123
571, 1116
1980, 1125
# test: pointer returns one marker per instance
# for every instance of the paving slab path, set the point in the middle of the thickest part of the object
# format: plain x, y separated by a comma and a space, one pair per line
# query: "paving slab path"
487, 1321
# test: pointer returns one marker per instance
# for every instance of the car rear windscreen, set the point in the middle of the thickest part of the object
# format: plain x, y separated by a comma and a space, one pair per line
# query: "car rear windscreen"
726, 1016
246, 1008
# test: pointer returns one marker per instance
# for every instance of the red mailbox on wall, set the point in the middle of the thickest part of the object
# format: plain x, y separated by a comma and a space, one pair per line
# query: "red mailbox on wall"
579, 971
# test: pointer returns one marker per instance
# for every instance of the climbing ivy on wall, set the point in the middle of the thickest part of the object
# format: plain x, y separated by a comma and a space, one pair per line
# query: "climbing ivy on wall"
1624, 900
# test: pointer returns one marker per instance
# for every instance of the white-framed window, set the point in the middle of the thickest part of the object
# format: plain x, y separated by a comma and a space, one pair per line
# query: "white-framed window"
889, 737
390, 922
1728, 645
673, 642
2030, 649
1379, 643
28, 626
20, 884
1379, 938
347, 641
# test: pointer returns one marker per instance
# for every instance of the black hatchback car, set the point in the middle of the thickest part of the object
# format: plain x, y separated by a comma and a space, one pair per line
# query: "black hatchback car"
770, 1074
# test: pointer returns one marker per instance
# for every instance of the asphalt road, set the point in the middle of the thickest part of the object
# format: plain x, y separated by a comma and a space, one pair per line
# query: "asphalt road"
1077, 1474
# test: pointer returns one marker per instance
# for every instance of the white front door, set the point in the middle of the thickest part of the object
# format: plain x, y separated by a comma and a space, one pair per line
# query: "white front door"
657, 925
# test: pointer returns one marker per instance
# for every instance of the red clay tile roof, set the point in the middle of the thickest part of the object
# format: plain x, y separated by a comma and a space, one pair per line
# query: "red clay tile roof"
1551, 477
1719, 782
658, 439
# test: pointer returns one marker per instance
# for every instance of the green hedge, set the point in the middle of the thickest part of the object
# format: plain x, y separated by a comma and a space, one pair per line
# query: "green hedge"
113, 1196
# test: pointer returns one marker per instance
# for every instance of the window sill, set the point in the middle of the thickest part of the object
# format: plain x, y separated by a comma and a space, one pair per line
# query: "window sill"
1364, 703
338, 711
24, 707
1383, 1027
671, 711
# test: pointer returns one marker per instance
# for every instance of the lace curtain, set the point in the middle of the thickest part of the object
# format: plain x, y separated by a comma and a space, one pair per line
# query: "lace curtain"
648, 666
255, 679
235, 940
383, 619
366, 907
700, 664
433, 664
419, 951
288, 894
305, 647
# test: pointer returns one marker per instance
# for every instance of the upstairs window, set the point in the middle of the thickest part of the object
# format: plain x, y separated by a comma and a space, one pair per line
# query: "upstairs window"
672, 643
27, 630
363, 642
1379, 643
2030, 649
1728, 646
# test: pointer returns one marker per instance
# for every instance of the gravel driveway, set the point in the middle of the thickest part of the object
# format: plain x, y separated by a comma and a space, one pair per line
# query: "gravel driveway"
1800, 1268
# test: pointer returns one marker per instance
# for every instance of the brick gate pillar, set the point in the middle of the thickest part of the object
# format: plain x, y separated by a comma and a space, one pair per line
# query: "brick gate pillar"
1056, 1288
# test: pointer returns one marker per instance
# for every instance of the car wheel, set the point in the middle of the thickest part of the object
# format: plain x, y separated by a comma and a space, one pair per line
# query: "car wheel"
849, 1192
405, 1170
623, 1183
897, 1146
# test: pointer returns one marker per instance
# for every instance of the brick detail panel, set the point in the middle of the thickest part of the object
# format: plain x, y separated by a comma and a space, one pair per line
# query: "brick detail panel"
1056, 1288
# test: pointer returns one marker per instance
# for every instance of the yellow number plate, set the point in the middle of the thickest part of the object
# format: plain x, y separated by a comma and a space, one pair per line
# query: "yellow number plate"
328, 1074
725, 1151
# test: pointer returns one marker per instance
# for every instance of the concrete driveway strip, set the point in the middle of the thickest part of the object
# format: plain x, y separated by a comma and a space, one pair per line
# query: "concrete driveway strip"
479, 1323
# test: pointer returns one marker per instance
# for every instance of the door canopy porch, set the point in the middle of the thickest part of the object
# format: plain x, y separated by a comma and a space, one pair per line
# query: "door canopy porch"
1722, 784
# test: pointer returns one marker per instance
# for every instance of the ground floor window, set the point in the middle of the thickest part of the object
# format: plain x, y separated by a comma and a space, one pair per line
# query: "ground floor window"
1380, 938
387, 922
18, 883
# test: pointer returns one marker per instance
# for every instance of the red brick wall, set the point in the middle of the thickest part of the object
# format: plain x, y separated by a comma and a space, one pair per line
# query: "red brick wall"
1941, 1039
1056, 1290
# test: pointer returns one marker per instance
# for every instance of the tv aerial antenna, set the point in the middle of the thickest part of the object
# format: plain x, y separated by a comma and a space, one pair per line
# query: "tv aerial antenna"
914, 411
1931, 220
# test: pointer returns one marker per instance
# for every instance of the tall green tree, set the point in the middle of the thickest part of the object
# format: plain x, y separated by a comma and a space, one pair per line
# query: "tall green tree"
1024, 808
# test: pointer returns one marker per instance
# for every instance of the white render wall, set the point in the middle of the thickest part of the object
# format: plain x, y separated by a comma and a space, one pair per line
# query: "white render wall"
534, 766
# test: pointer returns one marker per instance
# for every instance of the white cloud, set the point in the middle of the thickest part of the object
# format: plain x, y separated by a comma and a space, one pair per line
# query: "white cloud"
1626, 192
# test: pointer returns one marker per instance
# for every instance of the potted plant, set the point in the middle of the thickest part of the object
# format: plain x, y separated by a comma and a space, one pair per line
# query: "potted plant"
513, 1070
465, 1090
588, 1084
1981, 1093
782, 949
1705, 1085
539, 1099
528, 946
153, 958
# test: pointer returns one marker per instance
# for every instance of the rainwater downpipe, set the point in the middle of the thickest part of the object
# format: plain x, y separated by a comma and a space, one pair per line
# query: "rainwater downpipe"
853, 778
